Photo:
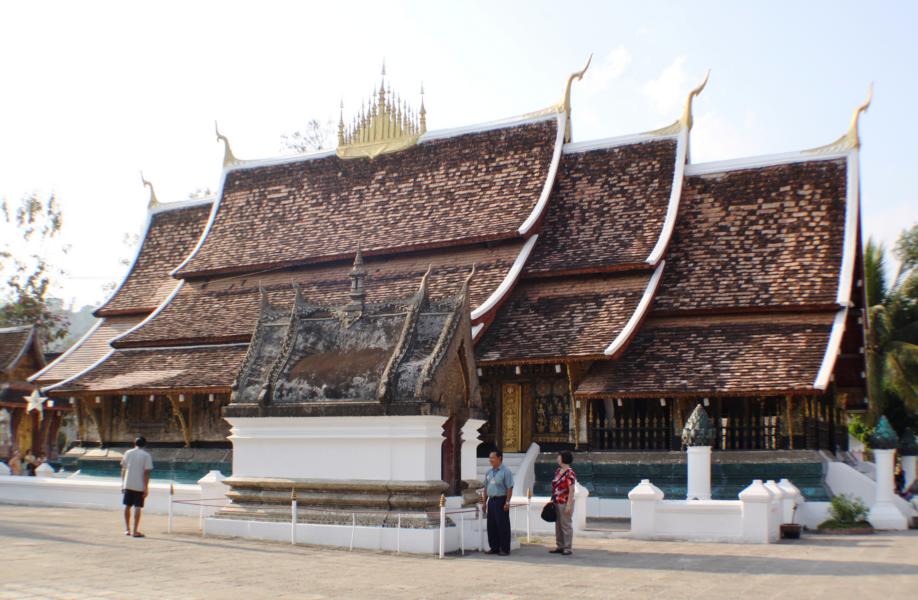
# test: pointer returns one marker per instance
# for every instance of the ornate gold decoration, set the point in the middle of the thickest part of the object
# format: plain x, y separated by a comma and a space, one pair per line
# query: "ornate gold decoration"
578, 75
386, 124
229, 158
153, 203
686, 119
186, 428
851, 139
565, 105
510, 417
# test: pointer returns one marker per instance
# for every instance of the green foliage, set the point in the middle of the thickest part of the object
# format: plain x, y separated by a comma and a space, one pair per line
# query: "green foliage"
27, 275
847, 510
892, 333
860, 430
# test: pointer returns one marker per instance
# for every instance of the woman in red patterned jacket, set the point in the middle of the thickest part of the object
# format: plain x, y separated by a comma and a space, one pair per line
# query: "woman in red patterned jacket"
562, 494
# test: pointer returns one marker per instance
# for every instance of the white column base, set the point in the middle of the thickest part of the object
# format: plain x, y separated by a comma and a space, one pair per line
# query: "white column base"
698, 465
885, 515
404, 448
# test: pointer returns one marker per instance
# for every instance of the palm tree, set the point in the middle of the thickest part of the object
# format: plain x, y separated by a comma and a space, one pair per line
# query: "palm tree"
892, 332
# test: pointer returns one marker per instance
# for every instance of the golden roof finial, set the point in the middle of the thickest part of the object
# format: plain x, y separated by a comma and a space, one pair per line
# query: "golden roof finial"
153, 203
423, 113
687, 112
853, 132
566, 102
385, 125
851, 140
341, 125
228, 157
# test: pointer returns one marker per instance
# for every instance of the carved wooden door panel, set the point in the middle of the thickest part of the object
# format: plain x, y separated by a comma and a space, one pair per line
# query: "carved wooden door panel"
510, 401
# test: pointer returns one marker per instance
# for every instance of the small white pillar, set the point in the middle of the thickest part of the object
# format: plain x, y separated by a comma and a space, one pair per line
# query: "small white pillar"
4, 470
777, 510
884, 514
645, 497
910, 468
471, 439
792, 498
757, 501
213, 492
44, 470
699, 473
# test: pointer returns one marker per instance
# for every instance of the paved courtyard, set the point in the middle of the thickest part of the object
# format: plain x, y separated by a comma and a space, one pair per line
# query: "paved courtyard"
75, 553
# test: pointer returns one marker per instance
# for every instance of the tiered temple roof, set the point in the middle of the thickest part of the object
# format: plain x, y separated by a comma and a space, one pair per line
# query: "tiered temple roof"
616, 251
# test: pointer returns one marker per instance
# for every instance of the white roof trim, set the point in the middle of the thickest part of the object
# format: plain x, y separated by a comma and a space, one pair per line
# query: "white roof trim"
81, 373
168, 206
476, 329
152, 315
539, 208
210, 223
752, 162
68, 351
612, 142
509, 279
628, 330
192, 347
849, 250
675, 196
440, 134
828, 361
15, 328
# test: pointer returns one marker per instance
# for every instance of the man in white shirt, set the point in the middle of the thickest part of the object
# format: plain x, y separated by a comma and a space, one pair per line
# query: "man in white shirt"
136, 467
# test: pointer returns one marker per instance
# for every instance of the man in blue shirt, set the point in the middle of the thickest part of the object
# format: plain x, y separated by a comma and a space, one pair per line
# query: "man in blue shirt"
498, 490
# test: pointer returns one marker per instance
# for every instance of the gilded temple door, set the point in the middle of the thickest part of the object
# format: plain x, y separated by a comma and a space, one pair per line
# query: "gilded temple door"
510, 412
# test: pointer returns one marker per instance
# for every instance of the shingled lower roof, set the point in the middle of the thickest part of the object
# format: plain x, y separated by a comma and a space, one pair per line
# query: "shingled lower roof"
608, 208
172, 231
758, 238
14, 344
202, 368
447, 191
87, 351
562, 318
227, 309
762, 354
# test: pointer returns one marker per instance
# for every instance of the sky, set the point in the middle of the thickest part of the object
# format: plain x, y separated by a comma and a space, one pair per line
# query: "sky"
91, 93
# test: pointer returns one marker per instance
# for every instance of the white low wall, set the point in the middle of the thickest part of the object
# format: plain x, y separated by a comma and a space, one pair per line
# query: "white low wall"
93, 492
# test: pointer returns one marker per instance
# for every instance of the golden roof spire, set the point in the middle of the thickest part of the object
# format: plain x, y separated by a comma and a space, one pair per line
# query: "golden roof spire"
228, 157
851, 140
153, 203
341, 125
385, 125
565, 105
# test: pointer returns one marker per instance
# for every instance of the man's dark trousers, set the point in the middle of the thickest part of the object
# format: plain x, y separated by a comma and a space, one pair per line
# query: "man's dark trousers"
498, 524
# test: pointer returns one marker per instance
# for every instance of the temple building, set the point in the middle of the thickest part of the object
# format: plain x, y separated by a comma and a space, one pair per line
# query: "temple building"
28, 423
616, 286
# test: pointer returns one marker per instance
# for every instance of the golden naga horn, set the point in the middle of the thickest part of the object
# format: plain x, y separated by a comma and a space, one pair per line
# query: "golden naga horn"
853, 133
153, 203
566, 103
687, 112
228, 157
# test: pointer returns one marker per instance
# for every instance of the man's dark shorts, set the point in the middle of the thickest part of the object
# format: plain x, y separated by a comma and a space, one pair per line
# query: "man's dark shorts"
133, 498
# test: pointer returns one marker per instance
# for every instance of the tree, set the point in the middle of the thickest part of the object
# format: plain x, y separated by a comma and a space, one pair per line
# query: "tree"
315, 137
892, 332
30, 232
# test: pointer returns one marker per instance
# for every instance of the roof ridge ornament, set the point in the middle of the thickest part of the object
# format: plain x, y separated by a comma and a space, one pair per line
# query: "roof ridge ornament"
357, 294
153, 202
851, 140
229, 159
686, 120
386, 124
565, 105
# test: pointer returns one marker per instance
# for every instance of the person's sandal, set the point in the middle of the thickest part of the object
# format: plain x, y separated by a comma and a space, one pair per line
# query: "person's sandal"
556, 551
566, 553
137, 534
127, 532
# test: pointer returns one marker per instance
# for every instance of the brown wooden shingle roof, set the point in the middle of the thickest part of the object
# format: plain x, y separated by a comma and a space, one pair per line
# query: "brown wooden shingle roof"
716, 355
150, 371
88, 350
762, 237
171, 235
608, 208
227, 309
14, 343
562, 318
472, 187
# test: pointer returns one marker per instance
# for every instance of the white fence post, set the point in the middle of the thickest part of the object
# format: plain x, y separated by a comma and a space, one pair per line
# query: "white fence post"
398, 536
442, 524
293, 516
171, 494
353, 529
529, 516
480, 508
